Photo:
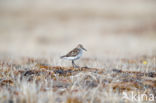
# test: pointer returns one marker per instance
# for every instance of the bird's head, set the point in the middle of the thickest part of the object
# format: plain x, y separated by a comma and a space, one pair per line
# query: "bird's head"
80, 46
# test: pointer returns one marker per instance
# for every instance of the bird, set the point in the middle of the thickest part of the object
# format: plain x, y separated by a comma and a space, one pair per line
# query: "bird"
74, 54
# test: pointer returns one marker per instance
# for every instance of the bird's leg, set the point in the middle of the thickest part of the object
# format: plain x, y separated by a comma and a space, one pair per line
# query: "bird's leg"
74, 65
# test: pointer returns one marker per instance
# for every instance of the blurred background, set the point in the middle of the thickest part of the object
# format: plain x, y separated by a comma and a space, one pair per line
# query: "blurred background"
53, 27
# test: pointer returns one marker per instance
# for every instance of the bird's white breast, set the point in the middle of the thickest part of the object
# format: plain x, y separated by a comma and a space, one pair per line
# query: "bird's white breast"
76, 57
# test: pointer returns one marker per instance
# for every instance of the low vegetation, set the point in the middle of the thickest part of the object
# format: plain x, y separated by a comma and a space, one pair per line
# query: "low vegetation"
35, 81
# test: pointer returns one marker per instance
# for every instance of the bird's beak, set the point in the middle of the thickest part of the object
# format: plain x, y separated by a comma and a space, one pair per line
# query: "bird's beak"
84, 49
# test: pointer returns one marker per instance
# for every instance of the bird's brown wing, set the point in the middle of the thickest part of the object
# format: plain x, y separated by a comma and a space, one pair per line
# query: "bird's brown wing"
73, 53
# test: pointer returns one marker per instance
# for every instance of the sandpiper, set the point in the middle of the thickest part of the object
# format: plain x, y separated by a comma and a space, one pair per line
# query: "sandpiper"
74, 54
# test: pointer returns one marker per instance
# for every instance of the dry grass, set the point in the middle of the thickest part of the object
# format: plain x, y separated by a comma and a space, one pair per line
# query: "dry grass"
34, 81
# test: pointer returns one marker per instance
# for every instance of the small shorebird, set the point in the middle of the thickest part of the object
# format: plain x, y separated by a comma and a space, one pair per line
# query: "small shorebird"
74, 54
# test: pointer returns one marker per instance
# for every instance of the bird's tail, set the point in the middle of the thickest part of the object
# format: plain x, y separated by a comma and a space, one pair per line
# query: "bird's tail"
62, 57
